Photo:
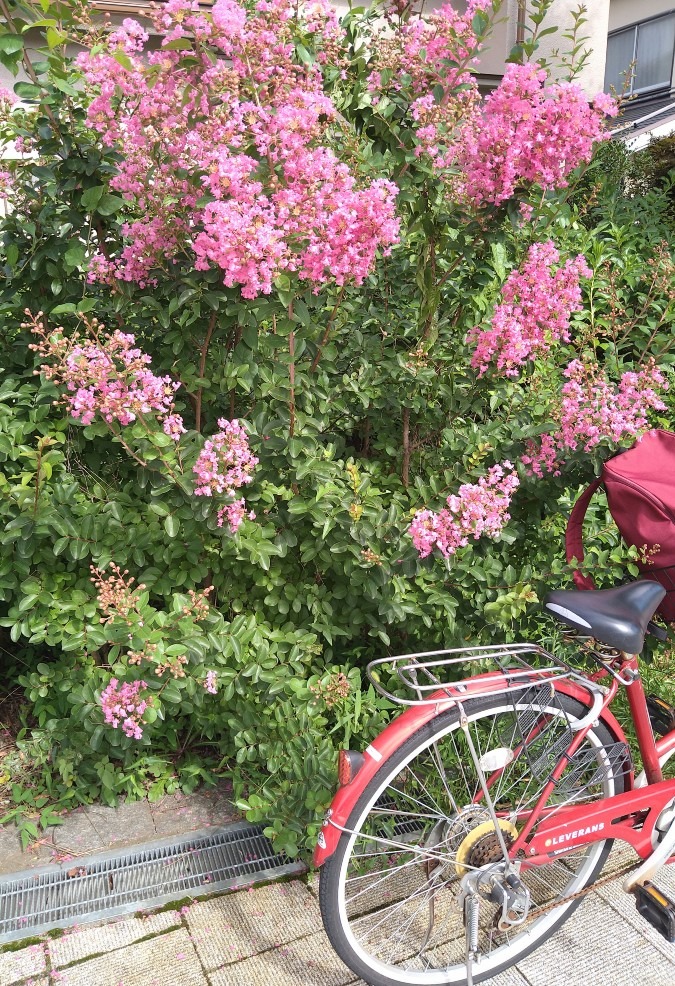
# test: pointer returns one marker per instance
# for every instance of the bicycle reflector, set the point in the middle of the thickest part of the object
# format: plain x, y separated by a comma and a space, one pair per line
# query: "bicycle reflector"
349, 764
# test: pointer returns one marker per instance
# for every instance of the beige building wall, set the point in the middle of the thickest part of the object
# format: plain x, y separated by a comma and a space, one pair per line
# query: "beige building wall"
624, 12
594, 31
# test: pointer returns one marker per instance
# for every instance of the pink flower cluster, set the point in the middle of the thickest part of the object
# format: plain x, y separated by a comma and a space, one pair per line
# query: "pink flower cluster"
211, 682
477, 509
535, 310
529, 132
107, 375
242, 178
428, 51
594, 409
6, 184
543, 457
224, 465
124, 706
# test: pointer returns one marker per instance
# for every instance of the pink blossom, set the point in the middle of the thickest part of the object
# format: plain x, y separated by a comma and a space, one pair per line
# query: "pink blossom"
477, 509
542, 458
211, 682
174, 427
229, 18
594, 409
534, 313
234, 514
124, 707
109, 376
226, 461
251, 129
225, 464
529, 132
6, 184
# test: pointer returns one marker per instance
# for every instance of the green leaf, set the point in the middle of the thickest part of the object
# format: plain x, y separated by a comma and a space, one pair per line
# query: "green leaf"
171, 526
10, 44
54, 37
160, 509
108, 204
26, 90
303, 54
74, 255
123, 59
179, 44
92, 196
498, 259
282, 282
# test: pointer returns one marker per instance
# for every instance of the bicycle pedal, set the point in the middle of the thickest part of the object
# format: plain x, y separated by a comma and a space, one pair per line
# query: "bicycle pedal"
661, 715
656, 908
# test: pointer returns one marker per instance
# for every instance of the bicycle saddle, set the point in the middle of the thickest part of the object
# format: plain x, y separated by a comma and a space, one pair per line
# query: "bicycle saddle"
617, 617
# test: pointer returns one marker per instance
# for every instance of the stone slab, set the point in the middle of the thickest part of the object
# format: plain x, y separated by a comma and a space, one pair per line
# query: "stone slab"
129, 824
168, 960
175, 814
238, 925
305, 962
77, 835
19, 965
11, 856
78, 943
308, 961
598, 946
625, 905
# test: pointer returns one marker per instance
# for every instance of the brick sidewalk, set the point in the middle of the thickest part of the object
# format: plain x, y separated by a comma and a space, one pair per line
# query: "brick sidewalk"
273, 935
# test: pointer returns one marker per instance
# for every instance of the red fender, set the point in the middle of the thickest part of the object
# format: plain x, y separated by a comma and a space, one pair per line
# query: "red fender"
398, 731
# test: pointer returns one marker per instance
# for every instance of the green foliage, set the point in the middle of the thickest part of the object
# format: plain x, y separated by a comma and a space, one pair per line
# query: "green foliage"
370, 414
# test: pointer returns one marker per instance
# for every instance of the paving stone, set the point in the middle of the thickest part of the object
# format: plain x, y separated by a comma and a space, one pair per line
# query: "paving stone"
625, 904
11, 856
130, 823
95, 939
175, 816
78, 835
313, 884
176, 813
168, 960
598, 946
238, 925
306, 962
19, 965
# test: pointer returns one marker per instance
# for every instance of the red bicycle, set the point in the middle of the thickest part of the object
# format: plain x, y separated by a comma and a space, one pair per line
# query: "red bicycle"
470, 829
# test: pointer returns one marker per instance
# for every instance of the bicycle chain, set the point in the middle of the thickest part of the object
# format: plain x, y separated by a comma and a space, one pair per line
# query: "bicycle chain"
580, 893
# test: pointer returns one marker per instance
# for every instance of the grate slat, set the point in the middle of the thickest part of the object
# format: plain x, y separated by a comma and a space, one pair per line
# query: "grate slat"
111, 884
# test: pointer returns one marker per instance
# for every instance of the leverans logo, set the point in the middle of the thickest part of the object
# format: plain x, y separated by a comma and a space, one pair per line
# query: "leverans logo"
560, 840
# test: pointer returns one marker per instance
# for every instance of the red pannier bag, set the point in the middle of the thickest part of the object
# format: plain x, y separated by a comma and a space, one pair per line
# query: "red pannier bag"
640, 488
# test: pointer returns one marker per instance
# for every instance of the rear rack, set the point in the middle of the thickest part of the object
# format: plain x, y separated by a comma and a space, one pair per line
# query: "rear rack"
420, 672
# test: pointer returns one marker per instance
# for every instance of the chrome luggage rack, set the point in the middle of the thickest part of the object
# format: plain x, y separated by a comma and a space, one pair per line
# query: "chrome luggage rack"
419, 672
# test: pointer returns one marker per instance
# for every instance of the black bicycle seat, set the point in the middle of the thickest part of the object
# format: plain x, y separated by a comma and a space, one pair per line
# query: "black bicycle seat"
616, 617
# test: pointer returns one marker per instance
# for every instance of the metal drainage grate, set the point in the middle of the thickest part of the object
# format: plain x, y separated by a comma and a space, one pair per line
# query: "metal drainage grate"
112, 883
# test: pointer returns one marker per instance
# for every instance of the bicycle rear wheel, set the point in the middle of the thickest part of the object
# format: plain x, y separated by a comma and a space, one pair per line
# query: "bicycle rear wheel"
389, 895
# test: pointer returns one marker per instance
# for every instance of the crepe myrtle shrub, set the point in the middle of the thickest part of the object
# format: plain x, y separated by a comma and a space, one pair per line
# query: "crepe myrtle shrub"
307, 345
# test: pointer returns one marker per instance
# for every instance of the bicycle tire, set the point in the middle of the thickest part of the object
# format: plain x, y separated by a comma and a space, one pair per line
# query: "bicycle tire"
389, 959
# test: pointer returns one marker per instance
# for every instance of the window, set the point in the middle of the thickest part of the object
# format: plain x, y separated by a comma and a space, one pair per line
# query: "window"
649, 48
